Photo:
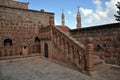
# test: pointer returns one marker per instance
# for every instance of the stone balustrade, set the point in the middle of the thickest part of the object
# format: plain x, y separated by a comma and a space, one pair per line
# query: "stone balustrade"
71, 49
80, 55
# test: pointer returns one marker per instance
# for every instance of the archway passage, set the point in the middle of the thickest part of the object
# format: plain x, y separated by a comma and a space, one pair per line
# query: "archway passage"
37, 45
8, 47
37, 39
46, 50
7, 42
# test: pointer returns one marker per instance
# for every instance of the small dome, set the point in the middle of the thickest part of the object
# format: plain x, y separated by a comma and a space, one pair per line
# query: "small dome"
42, 10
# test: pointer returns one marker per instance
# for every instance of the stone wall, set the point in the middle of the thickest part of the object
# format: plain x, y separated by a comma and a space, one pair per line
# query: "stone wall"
106, 40
14, 4
21, 26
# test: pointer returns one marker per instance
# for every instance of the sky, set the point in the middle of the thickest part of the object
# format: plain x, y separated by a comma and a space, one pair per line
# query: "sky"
93, 12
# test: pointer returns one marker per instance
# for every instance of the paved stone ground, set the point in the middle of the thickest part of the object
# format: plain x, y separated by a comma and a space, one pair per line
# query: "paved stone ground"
36, 68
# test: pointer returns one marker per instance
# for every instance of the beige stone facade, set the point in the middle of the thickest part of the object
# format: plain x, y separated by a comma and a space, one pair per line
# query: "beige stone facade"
14, 4
106, 40
25, 32
20, 27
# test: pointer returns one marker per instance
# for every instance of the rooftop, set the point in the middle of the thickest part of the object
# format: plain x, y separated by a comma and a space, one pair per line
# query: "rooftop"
63, 28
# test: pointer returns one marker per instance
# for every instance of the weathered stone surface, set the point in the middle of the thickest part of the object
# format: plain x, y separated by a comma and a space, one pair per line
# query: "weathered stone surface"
105, 39
42, 69
14, 4
22, 27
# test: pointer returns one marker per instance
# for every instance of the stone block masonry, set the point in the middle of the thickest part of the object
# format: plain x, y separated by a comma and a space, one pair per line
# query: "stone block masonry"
21, 26
14, 4
106, 40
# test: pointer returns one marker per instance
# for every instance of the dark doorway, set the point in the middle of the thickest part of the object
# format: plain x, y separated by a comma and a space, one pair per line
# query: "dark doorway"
8, 47
37, 39
37, 45
7, 42
46, 50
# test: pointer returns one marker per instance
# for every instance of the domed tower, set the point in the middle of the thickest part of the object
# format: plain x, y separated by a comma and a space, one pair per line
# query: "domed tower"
63, 18
78, 18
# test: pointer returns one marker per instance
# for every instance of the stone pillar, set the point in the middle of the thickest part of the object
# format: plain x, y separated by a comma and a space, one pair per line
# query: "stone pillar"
58, 41
54, 37
62, 44
70, 53
90, 54
25, 51
66, 48
0, 51
76, 58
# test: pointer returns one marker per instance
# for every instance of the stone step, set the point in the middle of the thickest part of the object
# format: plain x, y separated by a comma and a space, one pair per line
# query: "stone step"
96, 57
11, 57
17, 56
98, 62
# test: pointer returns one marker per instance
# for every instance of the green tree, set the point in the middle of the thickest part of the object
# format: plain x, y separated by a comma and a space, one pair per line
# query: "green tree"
118, 12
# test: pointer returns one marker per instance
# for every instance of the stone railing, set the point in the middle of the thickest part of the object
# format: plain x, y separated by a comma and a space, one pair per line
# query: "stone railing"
80, 55
72, 50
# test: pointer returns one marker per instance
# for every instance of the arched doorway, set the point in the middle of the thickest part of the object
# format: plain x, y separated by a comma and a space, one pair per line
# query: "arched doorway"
8, 47
37, 45
7, 42
46, 50
37, 39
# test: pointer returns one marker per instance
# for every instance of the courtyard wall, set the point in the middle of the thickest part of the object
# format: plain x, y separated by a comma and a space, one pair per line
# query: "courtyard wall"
106, 40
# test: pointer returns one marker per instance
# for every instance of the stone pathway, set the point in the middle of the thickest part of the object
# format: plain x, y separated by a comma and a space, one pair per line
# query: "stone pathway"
35, 68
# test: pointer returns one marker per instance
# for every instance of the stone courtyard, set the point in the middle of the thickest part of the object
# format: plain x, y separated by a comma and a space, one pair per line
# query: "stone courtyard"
37, 68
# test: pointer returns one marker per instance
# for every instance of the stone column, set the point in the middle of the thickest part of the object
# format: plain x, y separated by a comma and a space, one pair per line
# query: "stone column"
62, 44
58, 41
56, 38
76, 58
66, 48
90, 54
70, 52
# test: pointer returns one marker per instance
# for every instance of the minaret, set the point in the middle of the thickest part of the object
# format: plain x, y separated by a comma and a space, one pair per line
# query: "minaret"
78, 18
63, 18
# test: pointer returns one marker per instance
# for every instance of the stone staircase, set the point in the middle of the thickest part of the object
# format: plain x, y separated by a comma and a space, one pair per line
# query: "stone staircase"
97, 61
99, 65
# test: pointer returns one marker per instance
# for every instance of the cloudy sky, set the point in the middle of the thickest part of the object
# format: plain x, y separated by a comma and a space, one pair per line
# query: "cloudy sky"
93, 12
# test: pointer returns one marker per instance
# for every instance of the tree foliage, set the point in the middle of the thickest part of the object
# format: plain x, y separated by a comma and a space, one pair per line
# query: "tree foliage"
118, 12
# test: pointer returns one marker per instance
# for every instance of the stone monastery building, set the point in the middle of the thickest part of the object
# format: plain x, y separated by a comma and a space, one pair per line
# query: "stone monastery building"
25, 33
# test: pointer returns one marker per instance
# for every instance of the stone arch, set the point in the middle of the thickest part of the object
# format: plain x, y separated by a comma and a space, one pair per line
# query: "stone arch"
7, 47
37, 39
46, 52
37, 45
7, 42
